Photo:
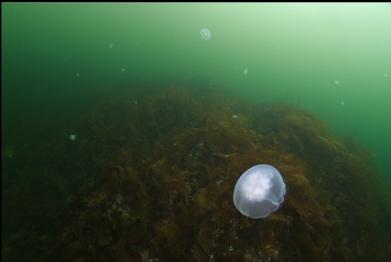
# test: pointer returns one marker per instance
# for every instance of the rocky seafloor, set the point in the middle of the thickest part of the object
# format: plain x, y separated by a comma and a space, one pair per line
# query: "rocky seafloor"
155, 177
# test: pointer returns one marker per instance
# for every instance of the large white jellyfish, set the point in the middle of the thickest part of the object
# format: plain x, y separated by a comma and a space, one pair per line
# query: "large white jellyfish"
205, 33
259, 191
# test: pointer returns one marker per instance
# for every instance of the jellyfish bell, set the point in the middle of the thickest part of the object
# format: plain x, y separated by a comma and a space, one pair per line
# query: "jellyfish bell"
259, 191
205, 33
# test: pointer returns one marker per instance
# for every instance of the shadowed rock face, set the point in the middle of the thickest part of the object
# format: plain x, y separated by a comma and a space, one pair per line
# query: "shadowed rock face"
259, 191
164, 192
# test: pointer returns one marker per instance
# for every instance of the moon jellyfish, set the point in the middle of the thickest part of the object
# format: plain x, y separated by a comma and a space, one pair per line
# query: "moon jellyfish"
259, 191
205, 33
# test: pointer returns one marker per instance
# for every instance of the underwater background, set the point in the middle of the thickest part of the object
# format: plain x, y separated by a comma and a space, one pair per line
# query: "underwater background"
125, 127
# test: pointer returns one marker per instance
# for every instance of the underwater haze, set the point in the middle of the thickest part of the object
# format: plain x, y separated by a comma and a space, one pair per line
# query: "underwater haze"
126, 125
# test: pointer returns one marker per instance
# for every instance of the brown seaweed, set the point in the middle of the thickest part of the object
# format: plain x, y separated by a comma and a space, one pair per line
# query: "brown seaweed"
165, 193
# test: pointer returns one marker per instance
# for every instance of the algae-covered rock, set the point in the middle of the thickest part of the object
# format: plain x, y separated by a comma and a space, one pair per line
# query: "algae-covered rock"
165, 193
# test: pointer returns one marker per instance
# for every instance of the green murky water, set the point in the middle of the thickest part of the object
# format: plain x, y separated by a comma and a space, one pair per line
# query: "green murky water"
59, 61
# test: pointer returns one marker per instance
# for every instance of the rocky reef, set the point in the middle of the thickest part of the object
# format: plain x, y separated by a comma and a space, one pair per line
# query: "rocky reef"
164, 189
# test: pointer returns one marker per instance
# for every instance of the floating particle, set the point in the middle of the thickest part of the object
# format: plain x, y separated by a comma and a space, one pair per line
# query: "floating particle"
259, 191
245, 72
336, 82
136, 103
72, 137
111, 45
206, 34
123, 69
342, 103
77, 74
386, 75
9, 152
235, 116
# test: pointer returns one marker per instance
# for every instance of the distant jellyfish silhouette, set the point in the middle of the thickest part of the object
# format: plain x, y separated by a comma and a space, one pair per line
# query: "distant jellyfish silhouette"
259, 191
206, 33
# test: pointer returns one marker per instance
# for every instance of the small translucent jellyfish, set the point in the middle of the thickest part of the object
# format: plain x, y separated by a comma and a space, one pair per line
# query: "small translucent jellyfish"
259, 191
72, 137
77, 74
245, 72
123, 69
336, 82
9, 152
206, 34
386, 75
111, 45
342, 103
